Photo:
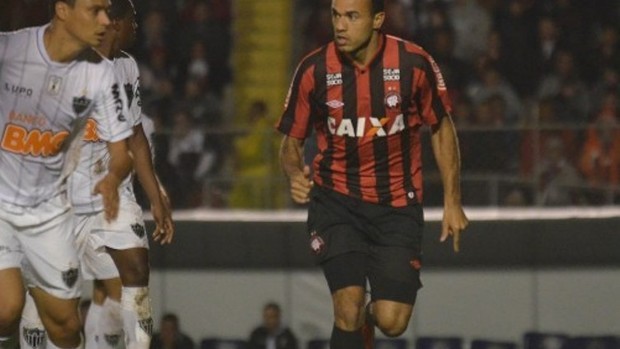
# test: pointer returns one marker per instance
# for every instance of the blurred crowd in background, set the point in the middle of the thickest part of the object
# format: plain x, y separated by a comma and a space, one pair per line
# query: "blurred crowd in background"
534, 84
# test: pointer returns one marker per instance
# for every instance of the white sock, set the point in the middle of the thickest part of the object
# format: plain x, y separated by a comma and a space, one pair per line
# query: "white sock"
31, 331
111, 326
136, 313
91, 326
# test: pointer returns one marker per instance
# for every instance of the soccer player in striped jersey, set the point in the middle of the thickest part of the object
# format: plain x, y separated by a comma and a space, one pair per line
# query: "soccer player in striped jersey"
367, 95
51, 81
115, 255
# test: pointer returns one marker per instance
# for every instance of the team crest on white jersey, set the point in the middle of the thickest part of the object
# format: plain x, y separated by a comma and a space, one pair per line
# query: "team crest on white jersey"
81, 104
390, 74
334, 79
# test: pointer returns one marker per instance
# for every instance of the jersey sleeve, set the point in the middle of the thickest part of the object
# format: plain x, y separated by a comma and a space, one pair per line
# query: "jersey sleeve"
295, 121
135, 107
433, 99
111, 113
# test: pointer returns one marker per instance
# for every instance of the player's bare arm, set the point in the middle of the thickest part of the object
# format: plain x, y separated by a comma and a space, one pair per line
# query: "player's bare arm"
291, 160
446, 151
119, 168
143, 165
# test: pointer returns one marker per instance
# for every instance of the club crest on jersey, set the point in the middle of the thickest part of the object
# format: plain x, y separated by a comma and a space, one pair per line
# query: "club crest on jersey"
146, 325
80, 105
112, 339
392, 99
317, 244
34, 337
53, 84
391, 74
138, 229
70, 277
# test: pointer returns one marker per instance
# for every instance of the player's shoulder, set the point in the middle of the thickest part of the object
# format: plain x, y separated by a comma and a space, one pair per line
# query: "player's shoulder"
313, 57
20, 36
126, 57
93, 64
409, 47
412, 51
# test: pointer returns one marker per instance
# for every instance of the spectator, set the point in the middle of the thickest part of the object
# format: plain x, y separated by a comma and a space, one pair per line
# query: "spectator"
271, 334
254, 161
558, 180
472, 25
565, 84
600, 156
170, 335
188, 155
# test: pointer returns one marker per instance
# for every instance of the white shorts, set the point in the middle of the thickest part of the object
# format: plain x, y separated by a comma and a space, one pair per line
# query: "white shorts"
94, 233
39, 241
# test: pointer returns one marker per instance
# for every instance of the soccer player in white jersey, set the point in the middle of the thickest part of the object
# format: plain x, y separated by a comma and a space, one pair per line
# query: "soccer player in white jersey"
114, 255
50, 81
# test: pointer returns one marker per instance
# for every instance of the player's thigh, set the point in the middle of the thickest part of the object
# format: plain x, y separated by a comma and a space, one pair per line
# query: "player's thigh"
95, 262
395, 255
11, 297
56, 313
394, 273
50, 257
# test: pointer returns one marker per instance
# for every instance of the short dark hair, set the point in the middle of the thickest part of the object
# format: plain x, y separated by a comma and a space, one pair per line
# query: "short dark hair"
171, 317
272, 305
378, 6
121, 9
53, 5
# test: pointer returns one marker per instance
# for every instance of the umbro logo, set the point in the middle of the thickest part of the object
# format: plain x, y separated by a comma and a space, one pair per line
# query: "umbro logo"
335, 104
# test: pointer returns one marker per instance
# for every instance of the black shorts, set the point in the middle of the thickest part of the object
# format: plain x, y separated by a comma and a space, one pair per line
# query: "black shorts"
355, 241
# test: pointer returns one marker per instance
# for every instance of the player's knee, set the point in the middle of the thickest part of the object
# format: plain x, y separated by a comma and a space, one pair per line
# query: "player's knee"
64, 328
348, 314
10, 313
393, 325
9, 321
137, 275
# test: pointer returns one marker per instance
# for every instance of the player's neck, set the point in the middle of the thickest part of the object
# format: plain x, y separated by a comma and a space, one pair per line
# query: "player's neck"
364, 56
60, 45
106, 49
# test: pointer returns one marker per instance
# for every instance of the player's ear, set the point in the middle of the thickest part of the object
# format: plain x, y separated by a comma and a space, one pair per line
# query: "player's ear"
377, 20
116, 25
61, 9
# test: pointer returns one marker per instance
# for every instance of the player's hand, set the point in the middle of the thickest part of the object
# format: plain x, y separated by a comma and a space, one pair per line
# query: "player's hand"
164, 229
454, 222
107, 187
301, 185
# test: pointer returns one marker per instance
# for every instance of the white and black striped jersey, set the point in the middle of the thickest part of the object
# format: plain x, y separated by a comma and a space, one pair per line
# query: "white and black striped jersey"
44, 106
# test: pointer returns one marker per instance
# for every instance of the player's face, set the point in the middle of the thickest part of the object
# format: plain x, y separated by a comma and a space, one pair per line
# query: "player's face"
87, 21
354, 24
127, 31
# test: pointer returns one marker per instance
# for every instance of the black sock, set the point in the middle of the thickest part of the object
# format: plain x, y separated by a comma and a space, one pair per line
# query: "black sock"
346, 340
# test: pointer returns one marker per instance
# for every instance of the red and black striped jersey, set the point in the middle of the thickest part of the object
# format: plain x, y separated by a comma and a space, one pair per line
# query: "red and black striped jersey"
367, 119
